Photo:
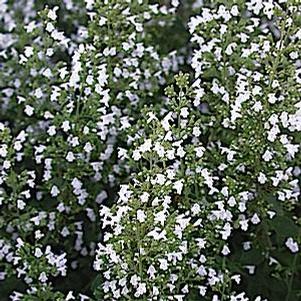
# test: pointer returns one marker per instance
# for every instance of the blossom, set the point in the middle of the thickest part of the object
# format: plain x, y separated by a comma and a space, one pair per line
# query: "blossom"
144, 197
141, 216
70, 157
163, 264
141, 289
52, 13
151, 271
51, 130
29, 110
292, 245
178, 186
54, 191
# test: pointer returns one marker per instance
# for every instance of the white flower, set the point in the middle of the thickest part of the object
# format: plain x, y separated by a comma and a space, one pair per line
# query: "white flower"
54, 191
29, 110
65, 232
134, 280
163, 264
70, 296
38, 93
184, 112
230, 48
141, 289
122, 153
215, 298
76, 183
195, 209
225, 250
38, 234
28, 51
292, 149
165, 121
234, 10
52, 13
124, 193
21, 204
49, 52
258, 298
239, 297
52, 130
255, 219
49, 27
141, 217
170, 154
157, 235
246, 245
70, 157
151, 272
231, 202
202, 290
160, 217
185, 289
257, 106
262, 178
43, 277
272, 98
38, 253
201, 243
196, 131
66, 126
271, 214
30, 27
3, 150
244, 224
160, 179
159, 149
292, 245
136, 155
146, 146
6, 164
250, 268
180, 152
178, 186
88, 147
267, 156
102, 21
151, 117
144, 197
175, 3
101, 197
226, 231
199, 151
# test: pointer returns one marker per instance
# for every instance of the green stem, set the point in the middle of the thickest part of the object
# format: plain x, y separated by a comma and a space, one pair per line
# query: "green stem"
290, 283
224, 282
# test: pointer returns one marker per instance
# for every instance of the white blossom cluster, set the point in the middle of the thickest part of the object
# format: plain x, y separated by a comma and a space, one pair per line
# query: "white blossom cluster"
247, 73
191, 192
72, 92
247, 174
158, 244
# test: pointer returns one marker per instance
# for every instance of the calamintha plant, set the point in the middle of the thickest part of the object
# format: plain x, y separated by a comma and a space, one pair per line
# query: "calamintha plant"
150, 150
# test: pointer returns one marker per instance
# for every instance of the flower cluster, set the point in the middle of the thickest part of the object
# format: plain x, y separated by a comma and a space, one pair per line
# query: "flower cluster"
134, 180
164, 240
71, 90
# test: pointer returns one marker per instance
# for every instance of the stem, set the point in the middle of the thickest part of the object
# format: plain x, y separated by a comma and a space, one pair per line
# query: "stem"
224, 281
290, 283
139, 246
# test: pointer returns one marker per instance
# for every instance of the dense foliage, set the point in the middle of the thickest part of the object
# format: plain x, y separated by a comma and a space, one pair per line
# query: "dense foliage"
150, 150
